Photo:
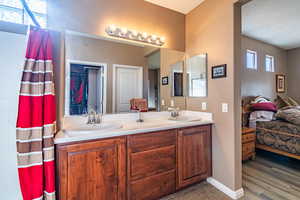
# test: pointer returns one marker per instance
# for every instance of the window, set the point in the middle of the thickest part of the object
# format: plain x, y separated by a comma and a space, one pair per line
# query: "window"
198, 87
270, 64
13, 11
251, 59
196, 71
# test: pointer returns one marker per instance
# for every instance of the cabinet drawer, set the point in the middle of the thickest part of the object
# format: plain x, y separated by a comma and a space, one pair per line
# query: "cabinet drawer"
250, 137
153, 187
148, 163
154, 140
195, 129
248, 148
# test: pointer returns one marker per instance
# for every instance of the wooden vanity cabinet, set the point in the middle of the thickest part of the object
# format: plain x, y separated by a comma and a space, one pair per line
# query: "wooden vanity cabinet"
193, 155
143, 166
92, 170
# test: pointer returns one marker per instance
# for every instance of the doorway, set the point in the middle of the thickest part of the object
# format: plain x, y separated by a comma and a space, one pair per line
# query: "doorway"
153, 63
127, 84
269, 143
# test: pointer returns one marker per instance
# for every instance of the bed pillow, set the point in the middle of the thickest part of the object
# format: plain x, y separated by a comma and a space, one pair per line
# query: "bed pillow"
282, 102
292, 101
265, 106
257, 116
260, 99
291, 115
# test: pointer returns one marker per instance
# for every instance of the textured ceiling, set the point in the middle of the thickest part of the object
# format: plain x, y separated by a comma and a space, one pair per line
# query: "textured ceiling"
182, 6
275, 22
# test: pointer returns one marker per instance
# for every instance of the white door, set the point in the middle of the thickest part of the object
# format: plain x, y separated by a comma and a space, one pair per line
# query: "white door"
128, 84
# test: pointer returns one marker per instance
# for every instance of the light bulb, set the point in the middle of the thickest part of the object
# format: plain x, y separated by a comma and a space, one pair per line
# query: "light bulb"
134, 33
140, 38
163, 39
112, 28
130, 36
145, 35
124, 31
154, 37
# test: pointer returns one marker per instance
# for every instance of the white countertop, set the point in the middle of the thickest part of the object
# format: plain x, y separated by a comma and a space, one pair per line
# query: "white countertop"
153, 121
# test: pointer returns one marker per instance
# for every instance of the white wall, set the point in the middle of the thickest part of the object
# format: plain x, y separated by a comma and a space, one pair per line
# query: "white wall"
12, 53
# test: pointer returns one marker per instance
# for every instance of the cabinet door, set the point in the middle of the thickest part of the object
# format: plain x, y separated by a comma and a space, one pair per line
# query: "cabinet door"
194, 155
93, 170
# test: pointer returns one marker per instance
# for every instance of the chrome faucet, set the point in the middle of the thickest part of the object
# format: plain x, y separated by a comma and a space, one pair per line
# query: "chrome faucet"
94, 117
140, 117
174, 112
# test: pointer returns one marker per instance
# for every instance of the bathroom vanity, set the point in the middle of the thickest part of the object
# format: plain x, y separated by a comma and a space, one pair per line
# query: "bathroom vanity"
121, 159
140, 161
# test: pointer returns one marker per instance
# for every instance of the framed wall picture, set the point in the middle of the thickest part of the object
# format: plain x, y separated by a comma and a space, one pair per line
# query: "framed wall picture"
165, 80
280, 83
219, 71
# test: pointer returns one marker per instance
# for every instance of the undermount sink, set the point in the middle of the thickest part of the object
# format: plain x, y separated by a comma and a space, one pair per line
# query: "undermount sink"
184, 119
92, 128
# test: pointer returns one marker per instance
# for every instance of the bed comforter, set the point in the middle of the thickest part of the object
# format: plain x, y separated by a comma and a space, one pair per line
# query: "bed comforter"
280, 135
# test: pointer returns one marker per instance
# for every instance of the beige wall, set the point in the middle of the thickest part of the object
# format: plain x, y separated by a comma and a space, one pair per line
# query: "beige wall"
259, 82
59, 74
93, 16
210, 29
294, 73
102, 51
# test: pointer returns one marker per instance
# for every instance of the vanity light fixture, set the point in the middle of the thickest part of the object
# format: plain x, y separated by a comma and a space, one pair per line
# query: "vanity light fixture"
125, 33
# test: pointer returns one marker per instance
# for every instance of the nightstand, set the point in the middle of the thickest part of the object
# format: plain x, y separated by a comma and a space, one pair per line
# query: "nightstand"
248, 143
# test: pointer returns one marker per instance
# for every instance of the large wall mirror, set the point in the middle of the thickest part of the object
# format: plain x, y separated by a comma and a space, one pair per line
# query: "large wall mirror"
104, 74
177, 76
197, 76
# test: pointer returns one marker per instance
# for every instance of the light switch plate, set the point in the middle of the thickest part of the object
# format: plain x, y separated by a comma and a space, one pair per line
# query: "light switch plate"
225, 107
204, 106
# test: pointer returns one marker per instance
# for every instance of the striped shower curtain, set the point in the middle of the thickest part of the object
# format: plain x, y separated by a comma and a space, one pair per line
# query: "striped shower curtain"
36, 120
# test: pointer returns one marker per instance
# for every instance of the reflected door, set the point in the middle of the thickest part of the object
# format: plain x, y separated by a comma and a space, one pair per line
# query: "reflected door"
86, 89
128, 85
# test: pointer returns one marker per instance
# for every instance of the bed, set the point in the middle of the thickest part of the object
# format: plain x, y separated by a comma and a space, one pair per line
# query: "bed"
278, 136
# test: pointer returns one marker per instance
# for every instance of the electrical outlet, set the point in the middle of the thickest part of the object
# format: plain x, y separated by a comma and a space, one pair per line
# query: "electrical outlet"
225, 107
204, 106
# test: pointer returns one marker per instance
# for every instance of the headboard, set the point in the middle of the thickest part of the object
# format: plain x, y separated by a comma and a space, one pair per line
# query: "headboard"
246, 109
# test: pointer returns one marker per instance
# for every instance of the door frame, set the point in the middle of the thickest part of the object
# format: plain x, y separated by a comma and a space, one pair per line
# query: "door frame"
68, 78
140, 85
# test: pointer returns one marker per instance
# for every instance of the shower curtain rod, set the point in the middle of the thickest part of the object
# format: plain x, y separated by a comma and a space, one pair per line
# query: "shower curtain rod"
29, 12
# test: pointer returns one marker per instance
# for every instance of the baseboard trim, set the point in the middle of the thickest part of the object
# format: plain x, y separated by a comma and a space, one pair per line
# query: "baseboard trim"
226, 190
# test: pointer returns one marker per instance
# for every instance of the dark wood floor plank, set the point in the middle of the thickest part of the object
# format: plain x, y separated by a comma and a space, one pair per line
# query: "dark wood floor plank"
290, 168
292, 182
266, 176
269, 190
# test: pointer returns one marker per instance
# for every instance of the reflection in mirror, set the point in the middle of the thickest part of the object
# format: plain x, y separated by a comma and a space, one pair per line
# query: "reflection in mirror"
153, 62
131, 71
197, 76
177, 79
86, 89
